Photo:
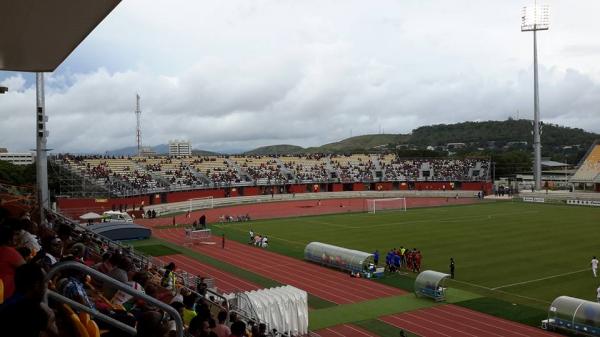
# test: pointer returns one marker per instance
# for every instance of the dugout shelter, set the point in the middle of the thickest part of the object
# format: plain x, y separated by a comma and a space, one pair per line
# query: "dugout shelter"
341, 258
432, 284
573, 315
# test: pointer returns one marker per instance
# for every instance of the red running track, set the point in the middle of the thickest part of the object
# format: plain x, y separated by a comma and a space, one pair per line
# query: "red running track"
454, 321
322, 282
345, 330
225, 282
282, 209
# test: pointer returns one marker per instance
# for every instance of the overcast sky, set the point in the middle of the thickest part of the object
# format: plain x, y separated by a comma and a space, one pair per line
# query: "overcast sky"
238, 74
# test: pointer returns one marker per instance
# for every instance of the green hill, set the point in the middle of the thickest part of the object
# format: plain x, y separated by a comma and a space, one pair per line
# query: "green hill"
487, 135
499, 131
360, 143
276, 149
204, 153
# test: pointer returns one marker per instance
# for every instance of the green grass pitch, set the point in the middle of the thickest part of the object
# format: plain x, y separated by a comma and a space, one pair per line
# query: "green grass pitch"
521, 252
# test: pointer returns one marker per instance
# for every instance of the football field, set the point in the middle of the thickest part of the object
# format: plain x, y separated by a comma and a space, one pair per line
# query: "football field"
522, 252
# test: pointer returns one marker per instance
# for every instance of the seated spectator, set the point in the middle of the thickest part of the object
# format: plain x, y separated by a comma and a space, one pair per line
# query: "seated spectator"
151, 324
238, 329
200, 327
119, 273
138, 282
189, 301
24, 314
24, 236
50, 254
10, 259
222, 330
104, 266
202, 287
169, 277
72, 286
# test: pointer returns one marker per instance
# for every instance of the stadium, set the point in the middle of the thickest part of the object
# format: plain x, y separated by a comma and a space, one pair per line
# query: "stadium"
379, 241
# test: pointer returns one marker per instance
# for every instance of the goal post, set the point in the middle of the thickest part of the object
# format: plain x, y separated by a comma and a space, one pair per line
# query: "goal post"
200, 203
387, 204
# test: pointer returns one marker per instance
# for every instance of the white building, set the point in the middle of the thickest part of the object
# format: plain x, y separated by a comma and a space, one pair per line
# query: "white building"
178, 148
18, 158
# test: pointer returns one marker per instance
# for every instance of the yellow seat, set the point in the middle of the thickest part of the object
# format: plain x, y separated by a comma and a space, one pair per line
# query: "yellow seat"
84, 317
92, 329
80, 330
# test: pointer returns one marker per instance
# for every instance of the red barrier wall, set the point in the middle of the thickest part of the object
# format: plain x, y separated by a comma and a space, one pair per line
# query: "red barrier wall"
186, 195
432, 185
99, 205
337, 188
386, 186
358, 187
251, 190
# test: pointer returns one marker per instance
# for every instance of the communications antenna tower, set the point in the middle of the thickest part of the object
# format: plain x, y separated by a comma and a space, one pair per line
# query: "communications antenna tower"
138, 131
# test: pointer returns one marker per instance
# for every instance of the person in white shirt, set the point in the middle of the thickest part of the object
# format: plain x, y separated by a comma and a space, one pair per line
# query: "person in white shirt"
598, 294
594, 264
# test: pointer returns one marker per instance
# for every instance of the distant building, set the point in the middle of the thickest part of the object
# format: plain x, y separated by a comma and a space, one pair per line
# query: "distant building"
179, 148
452, 146
17, 158
146, 151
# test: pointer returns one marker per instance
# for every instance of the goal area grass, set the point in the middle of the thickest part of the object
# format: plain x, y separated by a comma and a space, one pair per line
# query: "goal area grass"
519, 252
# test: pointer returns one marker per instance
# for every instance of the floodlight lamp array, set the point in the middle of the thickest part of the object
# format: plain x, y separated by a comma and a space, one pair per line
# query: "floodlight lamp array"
535, 17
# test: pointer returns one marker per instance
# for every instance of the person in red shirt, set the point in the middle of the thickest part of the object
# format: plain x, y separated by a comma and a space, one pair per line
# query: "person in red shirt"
418, 261
10, 259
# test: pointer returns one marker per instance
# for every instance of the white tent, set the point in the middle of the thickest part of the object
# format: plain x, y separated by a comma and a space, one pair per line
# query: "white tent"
91, 216
282, 308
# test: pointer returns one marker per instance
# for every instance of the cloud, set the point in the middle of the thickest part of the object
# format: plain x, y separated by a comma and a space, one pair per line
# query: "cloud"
242, 74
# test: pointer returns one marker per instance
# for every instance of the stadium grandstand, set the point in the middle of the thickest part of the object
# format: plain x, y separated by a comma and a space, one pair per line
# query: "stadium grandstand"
63, 277
588, 171
128, 176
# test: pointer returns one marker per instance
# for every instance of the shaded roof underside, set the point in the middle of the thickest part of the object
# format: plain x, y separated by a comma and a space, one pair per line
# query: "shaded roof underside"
38, 35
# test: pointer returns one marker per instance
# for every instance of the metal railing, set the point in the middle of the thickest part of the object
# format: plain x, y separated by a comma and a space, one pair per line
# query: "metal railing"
61, 266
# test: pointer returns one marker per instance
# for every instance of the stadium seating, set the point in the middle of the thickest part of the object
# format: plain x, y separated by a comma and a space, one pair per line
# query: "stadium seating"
589, 170
150, 174
79, 323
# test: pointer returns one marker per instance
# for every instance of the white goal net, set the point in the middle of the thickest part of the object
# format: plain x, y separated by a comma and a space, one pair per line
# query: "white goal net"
197, 236
200, 203
387, 204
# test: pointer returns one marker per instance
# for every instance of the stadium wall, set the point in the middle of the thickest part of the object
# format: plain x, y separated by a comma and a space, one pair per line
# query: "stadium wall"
100, 205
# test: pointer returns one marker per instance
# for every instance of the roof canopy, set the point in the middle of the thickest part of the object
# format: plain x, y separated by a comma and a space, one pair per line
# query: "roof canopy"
337, 257
575, 313
430, 283
38, 35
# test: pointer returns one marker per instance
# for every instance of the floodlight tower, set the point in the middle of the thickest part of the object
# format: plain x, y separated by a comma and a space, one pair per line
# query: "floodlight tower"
138, 130
534, 18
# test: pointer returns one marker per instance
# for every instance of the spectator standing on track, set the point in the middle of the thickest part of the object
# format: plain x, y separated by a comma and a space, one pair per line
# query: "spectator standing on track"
203, 221
594, 264
452, 268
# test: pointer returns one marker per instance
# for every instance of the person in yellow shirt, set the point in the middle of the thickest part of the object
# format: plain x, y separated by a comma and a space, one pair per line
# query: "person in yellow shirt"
189, 302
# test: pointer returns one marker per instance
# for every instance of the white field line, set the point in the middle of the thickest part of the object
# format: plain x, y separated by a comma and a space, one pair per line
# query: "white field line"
541, 279
503, 292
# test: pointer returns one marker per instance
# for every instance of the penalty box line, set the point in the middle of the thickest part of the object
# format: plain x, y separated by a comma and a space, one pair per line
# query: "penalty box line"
541, 279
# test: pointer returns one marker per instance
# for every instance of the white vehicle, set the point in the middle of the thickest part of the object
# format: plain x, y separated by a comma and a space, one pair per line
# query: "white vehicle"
116, 216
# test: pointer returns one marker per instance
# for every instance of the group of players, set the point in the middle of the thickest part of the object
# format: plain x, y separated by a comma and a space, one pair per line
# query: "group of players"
258, 240
403, 258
